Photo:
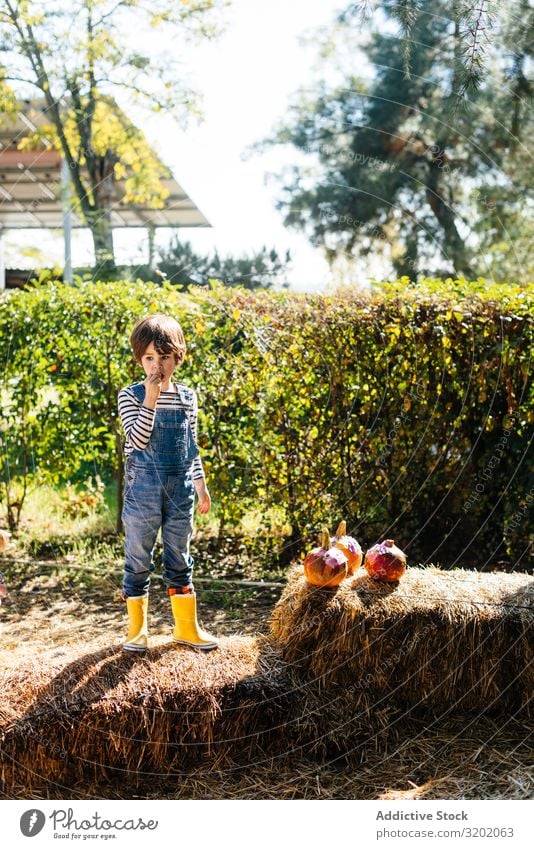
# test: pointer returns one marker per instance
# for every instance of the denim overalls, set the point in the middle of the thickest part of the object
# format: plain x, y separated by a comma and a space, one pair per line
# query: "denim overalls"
159, 492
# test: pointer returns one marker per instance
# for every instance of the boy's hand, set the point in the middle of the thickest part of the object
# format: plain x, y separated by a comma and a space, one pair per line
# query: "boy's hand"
152, 386
204, 498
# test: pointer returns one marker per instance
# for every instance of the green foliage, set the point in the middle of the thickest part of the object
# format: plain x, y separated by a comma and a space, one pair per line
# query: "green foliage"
408, 411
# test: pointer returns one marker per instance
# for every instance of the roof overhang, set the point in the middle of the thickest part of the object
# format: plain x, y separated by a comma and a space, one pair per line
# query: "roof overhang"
30, 190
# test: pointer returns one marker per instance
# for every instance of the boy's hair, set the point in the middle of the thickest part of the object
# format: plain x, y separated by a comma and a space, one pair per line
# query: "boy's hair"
163, 331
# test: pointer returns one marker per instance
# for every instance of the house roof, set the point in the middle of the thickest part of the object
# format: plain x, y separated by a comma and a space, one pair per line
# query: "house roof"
30, 186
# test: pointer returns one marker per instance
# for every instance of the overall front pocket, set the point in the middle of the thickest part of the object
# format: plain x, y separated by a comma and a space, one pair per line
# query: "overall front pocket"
169, 438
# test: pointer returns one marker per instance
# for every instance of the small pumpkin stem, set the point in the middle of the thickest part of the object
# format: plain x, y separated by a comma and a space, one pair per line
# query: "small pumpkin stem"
324, 540
341, 529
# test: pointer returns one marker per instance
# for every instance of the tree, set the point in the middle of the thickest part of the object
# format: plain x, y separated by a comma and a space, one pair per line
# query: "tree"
473, 21
394, 167
182, 266
80, 56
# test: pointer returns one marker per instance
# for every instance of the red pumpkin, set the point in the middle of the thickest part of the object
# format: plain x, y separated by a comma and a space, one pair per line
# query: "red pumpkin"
349, 546
385, 562
325, 566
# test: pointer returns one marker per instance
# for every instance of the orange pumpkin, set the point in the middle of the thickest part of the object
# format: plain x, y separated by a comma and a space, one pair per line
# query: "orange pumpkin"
385, 562
349, 546
325, 566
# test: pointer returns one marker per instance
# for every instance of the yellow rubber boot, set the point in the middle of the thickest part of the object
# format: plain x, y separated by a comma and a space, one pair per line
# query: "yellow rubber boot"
187, 630
137, 631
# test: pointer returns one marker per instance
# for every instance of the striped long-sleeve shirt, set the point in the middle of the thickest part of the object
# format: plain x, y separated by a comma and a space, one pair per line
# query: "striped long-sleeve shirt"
138, 420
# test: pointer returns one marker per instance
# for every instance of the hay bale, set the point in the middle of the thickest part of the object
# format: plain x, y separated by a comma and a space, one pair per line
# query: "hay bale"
104, 715
446, 641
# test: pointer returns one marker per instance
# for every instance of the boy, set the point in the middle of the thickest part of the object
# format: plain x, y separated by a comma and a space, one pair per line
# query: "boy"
163, 470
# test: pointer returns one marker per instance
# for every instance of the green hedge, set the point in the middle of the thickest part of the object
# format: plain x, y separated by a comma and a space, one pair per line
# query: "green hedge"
408, 411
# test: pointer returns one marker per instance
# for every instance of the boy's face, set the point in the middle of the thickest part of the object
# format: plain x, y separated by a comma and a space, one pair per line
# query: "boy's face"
154, 362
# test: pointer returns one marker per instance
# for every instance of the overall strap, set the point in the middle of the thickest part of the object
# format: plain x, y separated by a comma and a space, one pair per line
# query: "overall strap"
138, 390
184, 401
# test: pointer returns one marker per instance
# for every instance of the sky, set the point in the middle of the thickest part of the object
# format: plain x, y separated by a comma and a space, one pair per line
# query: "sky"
246, 79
